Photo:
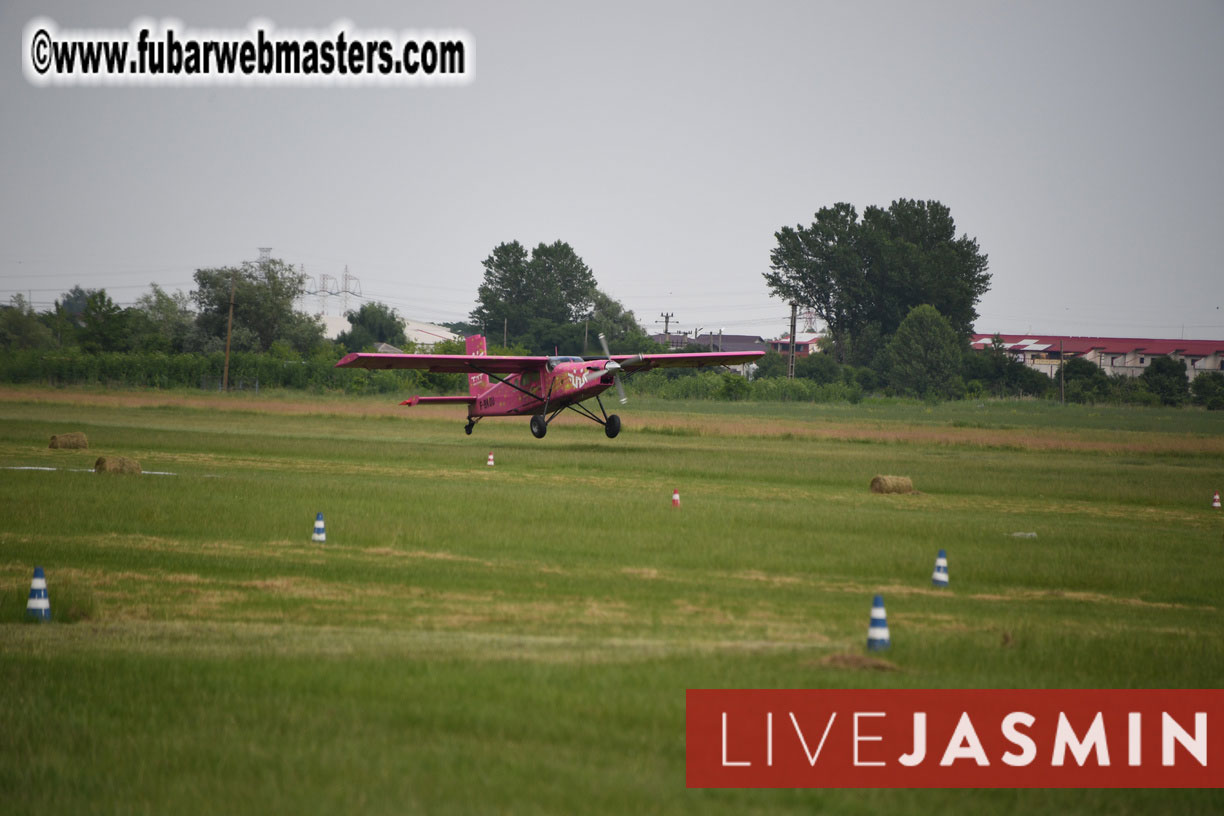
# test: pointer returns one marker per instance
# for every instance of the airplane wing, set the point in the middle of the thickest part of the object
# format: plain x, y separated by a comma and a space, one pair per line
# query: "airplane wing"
644, 362
444, 363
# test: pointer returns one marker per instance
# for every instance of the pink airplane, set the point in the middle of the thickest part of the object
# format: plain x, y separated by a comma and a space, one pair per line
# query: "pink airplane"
542, 387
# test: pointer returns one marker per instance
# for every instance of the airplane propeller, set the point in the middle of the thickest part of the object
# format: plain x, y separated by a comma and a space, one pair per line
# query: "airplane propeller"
620, 389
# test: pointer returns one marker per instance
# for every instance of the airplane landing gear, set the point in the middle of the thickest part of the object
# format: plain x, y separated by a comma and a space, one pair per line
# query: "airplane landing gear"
539, 426
471, 423
612, 426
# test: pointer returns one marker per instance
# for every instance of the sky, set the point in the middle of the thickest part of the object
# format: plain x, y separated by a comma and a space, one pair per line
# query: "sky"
1078, 143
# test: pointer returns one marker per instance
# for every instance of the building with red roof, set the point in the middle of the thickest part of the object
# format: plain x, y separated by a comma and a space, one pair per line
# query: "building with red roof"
1129, 356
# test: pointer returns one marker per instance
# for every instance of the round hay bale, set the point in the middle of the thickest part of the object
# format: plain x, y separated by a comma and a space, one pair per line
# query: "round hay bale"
116, 464
76, 439
892, 484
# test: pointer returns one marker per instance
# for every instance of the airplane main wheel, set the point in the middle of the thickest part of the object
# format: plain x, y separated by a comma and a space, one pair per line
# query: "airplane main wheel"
467, 429
539, 426
613, 426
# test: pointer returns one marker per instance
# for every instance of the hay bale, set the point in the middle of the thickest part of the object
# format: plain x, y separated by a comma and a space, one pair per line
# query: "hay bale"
892, 484
76, 439
116, 464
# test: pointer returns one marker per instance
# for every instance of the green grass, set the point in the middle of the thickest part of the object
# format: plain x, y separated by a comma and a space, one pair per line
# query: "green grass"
519, 638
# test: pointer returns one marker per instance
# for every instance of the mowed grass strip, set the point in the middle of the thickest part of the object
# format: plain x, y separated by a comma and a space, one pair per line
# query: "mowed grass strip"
519, 638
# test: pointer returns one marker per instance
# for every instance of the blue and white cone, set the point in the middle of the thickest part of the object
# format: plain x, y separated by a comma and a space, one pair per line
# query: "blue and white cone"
939, 578
877, 633
319, 533
39, 605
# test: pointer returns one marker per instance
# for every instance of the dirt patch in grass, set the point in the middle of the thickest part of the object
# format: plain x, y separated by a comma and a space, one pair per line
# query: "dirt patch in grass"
854, 662
776, 580
433, 555
1084, 597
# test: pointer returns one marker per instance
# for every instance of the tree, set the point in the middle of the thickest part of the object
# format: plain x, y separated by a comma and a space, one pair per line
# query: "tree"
373, 323
1166, 378
1085, 381
1208, 390
998, 371
772, 364
553, 284
924, 356
104, 326
821, 268
862, 277
20, 328
161, 321
263, 305
549, 300
819, 367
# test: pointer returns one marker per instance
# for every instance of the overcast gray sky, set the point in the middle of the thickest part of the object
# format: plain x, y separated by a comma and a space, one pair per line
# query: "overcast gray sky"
1079, 142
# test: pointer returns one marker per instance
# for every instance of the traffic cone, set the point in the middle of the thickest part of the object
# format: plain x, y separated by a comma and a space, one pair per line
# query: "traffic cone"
490, 458
320, 534
877, 632
38, 606
675, 498
1215, 500
939, 578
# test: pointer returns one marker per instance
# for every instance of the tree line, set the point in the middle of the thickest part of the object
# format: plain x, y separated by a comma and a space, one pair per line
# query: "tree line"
896, 287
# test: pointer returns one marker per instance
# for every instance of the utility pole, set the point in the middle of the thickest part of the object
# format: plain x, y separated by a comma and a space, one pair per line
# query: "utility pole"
505, 330
667, 316
790, 367
229, 328
1062, 380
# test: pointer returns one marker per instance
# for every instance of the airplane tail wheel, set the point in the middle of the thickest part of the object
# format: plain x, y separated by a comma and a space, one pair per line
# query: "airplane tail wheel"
613, 426
467, 429
539, 426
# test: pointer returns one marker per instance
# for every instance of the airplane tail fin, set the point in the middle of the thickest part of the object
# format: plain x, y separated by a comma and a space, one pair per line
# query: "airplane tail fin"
477, 383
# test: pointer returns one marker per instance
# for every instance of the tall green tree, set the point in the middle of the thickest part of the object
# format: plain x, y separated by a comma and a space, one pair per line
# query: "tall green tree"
1166, 378
924, 356
373, 323
821, 267
549, 300
263, 305
552, 284
862, 277
104, 326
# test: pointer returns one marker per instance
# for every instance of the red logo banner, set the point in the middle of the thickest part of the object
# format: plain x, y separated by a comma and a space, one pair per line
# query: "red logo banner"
955, 738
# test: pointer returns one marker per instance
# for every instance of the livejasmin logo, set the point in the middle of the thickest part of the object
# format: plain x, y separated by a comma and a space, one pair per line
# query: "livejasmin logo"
955, 738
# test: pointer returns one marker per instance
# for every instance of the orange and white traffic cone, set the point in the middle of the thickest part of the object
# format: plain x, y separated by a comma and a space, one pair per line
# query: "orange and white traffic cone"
675, 498
490, 458
1215, 500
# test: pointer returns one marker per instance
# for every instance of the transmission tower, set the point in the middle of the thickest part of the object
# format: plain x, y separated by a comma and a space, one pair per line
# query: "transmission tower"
809, 320
351, 286
328, 287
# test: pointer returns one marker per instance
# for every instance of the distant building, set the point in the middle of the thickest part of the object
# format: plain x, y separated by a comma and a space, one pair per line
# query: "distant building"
422, 336
714, 342
1128, 356
805, 343
425, 335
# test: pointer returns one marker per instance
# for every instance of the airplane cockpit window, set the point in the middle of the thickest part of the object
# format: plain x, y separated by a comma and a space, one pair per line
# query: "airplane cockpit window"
553, 362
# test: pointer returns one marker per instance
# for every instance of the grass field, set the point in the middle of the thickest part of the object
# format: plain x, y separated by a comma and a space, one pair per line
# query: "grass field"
518, 639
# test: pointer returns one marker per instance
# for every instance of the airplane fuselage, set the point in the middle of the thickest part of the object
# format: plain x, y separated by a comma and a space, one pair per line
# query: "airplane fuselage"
563, 381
